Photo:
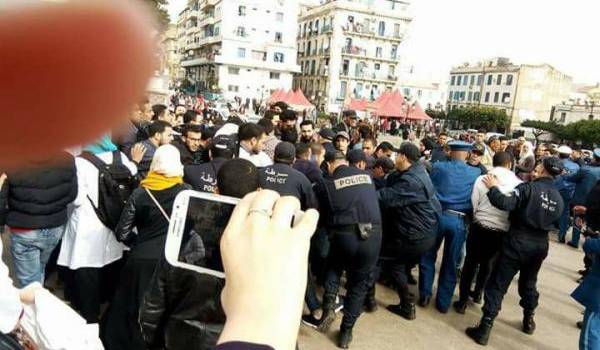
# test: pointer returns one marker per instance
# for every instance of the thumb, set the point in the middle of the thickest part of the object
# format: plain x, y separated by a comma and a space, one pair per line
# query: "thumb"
307, 224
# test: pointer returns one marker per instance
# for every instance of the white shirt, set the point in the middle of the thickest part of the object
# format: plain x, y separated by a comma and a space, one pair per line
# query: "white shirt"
87, 242
484, 212
10, 302
260, 160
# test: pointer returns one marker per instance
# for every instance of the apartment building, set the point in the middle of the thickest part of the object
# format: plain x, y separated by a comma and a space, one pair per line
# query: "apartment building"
585, 107
239, 48
524, 92
350, 49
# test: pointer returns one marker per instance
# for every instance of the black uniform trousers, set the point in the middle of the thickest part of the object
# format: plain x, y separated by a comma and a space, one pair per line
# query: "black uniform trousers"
406, 255
520, 252
350, 253
483, 247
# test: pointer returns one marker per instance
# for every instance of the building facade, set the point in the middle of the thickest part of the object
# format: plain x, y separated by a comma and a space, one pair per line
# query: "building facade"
350, 49
169, 55
524, 92
585, 107
239, 48
429, 95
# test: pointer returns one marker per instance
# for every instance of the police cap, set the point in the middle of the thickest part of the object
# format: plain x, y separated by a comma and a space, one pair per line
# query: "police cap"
342, 134
356, 155
553, 165
327, 134
478, 148
285, 152
333, 156
460, 146
597, 153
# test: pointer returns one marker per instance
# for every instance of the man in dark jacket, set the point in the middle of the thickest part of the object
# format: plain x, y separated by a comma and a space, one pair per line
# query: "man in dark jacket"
34, 206
535, 208
410, 211
285, 180
190, 145
203, 177
439, 153
182, 310
304, 165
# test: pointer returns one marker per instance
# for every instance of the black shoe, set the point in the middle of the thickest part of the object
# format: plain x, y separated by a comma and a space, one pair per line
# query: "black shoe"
411, 279
580, 324
481, 333
528, 324
570, 244
476, 296
407, 311
345, 338
326, 320
440, 309
562, 240
460, 307
424, 301
310, 321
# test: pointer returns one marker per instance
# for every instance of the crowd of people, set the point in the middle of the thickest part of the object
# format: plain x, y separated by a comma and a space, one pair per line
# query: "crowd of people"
101, 214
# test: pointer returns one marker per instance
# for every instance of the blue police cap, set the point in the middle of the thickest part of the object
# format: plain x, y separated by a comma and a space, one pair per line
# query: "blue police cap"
459, 146
597, 153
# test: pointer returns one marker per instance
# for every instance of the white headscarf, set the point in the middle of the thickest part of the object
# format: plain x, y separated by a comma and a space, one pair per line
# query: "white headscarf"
167, 161
524, 154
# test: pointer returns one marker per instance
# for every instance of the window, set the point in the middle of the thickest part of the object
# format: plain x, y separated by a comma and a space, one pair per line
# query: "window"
377, 66
378, 52
233, 71
456, 95
278, 57
278, 37
233, 88
476, 96
470, 96
242, 10
397, 30
241, 52
313, 67
490, 78
466, 80
274, 75
452, 80
496, 97
394, 53
499, 80
563, 117
459, 80
450, 96
509, 79
406, 92
279, 16
472, 80
419, 93
241, 31
479, 80
506, 97
392, 71
487, 97
381, 30
462, 95
259, 55
343, 88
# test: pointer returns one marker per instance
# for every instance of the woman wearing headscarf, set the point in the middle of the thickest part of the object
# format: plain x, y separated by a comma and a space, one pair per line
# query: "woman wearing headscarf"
89, 249
526, 163
143, 227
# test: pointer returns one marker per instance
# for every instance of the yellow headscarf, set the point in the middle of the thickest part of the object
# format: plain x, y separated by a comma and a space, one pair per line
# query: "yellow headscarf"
157, 182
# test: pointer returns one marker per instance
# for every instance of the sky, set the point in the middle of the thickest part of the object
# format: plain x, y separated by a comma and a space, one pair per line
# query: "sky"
445, 33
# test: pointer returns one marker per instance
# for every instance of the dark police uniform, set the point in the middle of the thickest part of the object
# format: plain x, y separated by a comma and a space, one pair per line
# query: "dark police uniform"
203, 177
453, 181
287, 181
350, 210
535, 208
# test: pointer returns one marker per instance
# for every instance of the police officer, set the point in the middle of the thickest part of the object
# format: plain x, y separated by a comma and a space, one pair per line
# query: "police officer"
566, 189
535, 209
285, 180
453, 181
348, 205
203, 177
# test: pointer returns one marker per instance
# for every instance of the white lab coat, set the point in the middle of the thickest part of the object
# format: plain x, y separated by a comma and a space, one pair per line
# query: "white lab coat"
10, 303
87, 242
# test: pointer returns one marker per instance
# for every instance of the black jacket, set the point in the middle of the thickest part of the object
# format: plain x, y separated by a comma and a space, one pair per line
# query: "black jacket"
142, 213
182, 310
410, 208
203, 177
287, 181
188, 157
535, 207
37, 198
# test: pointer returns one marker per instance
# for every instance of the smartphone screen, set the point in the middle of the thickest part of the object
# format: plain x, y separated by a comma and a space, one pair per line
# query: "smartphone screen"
205, 222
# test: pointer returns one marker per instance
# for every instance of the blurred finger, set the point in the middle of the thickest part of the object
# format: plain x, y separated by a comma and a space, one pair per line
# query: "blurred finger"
307, 224
284, 211
261, 208
239, 216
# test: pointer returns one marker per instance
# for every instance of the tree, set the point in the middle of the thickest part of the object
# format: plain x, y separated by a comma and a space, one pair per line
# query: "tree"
162, 16
543, 128
586, 132
489, 118
436, 114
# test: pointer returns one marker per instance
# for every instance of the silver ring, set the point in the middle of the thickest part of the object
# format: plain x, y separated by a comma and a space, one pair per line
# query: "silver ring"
266, 212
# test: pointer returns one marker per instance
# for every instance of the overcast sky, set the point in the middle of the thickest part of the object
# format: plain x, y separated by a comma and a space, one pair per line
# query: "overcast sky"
446, 33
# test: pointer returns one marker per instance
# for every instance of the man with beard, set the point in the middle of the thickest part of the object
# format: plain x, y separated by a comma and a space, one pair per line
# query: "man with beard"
307, 131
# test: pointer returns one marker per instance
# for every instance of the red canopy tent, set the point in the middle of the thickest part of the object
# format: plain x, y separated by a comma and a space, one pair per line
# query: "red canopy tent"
391, 106
299, 99
276, 96
358, 105
415, 112
381, 100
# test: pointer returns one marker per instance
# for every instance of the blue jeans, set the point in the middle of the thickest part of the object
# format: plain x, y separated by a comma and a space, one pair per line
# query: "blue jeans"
575, 236
590, 332
30, 252
453, 232
563, 225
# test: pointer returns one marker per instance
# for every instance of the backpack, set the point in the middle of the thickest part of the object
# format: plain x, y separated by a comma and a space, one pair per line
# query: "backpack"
115, 185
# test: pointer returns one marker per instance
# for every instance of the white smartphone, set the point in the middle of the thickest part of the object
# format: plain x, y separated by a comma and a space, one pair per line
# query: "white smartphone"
197, 224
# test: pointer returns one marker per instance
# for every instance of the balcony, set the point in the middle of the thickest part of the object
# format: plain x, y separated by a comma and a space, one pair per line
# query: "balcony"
327, 29
370, 76
354, 50
363, 31
324, 52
